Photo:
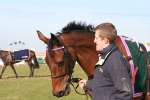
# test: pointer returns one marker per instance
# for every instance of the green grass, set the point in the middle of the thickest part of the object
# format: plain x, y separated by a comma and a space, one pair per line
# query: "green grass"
36, 88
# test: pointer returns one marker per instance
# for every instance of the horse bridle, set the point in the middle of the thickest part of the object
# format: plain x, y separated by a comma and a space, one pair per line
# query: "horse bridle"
66, 58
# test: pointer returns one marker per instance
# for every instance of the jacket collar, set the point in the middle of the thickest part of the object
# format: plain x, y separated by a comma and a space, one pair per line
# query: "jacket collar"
107, 49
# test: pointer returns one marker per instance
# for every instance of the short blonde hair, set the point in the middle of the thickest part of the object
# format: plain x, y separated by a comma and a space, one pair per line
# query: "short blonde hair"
108, 31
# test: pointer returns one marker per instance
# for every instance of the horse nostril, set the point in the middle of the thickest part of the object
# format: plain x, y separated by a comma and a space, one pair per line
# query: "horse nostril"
61, 93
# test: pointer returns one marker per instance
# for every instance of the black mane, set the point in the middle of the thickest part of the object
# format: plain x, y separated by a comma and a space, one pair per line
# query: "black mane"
80, 26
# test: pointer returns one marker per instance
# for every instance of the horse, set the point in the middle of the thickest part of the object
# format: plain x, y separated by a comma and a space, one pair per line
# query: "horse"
73, 43
9, 58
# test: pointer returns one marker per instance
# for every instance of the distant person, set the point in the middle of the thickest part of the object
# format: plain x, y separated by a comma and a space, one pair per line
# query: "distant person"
111, 77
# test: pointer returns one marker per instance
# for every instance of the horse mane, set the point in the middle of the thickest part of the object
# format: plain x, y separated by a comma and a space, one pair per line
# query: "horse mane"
77, 26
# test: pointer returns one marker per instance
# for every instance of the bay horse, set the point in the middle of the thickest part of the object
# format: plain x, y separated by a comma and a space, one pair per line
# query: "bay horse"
73, 43
10, 58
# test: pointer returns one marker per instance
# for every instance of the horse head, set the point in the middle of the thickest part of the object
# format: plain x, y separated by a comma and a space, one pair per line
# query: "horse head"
60, 64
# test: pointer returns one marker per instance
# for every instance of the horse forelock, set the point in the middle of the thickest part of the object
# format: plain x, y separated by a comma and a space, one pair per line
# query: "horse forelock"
77, 26
52, 42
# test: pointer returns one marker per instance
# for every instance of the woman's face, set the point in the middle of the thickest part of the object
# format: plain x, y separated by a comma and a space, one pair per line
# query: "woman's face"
101, 42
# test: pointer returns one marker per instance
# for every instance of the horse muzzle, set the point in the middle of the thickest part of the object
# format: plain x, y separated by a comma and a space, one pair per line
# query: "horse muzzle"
64, 92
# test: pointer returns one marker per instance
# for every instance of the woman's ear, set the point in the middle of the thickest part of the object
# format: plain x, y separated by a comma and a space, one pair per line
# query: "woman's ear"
106, 41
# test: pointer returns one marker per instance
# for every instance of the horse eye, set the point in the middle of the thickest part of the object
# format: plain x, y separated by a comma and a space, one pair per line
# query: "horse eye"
60, 64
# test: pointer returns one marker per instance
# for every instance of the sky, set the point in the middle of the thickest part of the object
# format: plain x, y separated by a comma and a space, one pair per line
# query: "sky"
19, 19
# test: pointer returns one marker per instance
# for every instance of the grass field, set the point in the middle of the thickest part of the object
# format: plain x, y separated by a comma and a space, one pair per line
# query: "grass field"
35, 88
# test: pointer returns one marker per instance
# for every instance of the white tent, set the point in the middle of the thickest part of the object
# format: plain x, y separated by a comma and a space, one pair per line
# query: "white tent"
147, 45
1, 63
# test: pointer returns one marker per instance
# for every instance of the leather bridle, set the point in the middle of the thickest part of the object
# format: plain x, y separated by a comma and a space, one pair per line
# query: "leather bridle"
67, 59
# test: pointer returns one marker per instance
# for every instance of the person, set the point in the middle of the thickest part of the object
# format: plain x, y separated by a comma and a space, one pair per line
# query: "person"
111, 79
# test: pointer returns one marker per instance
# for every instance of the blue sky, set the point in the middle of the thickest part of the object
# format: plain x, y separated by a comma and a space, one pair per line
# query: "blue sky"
19, 19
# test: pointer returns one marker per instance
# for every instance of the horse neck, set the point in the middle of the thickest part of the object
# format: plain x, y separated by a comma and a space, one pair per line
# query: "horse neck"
87, 57
4, 55
82, 48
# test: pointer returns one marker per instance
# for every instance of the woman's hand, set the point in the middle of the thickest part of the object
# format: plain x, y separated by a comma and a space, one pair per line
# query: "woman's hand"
82, 83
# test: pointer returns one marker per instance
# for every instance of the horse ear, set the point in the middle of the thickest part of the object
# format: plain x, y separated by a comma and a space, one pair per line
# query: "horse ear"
42, 37
55, 39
